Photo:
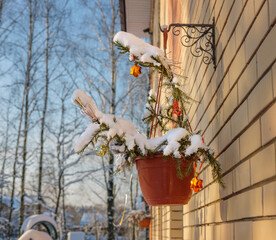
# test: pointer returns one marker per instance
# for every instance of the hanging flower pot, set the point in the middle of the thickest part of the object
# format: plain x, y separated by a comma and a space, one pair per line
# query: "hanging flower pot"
140, 216
162, 180
159, 182
144, 223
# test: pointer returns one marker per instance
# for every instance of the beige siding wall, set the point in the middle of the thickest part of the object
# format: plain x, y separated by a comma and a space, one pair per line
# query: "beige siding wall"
237, 112
167, 223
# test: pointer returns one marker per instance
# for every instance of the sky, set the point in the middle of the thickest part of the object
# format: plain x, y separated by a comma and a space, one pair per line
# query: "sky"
78, 30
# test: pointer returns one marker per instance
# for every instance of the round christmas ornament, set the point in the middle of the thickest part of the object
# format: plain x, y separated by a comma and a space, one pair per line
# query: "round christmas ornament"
100, 150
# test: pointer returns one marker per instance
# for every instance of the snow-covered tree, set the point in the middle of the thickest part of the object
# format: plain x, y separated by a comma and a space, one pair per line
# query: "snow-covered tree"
113, 89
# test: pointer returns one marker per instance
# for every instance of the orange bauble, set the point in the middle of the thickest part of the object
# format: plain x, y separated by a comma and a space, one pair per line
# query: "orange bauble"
135, 70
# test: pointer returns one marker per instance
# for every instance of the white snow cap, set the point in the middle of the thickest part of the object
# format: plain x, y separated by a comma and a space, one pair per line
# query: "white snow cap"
87, 102
175, 80
172, 137
35, 235
139, 48
152, 93
118, 125
34, 219
196, 143
86, 137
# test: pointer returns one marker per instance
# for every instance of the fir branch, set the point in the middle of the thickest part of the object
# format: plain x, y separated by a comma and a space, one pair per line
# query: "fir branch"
216, 168
160, 68
179, 166
189, 168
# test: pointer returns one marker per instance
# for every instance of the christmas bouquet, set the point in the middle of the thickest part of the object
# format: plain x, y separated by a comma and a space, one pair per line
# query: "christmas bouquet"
109, 133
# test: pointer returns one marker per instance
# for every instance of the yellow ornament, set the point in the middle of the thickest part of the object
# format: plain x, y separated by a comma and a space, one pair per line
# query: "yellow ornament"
196, 184
101, 150
135, 70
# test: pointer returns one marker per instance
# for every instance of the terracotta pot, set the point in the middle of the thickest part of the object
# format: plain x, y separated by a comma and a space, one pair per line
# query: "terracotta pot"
144, 223
159, 182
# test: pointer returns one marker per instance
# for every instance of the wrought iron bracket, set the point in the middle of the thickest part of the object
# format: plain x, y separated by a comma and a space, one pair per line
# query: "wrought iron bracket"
200, 38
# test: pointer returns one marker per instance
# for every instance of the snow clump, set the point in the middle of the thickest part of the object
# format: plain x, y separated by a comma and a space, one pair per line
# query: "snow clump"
196, 143
139, 48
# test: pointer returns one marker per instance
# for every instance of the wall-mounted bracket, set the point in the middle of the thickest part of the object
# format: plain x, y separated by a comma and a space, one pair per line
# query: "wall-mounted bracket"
200, 38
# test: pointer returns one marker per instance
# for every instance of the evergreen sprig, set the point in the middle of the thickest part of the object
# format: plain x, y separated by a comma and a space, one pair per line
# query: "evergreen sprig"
161, 68
166, 118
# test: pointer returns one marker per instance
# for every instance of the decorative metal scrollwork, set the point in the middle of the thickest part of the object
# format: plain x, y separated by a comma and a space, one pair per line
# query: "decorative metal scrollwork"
200, 38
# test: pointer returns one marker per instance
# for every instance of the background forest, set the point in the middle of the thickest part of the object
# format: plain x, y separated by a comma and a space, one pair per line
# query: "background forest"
48, 49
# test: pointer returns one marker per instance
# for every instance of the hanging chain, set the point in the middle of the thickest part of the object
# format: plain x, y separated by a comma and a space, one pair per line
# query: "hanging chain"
158, 96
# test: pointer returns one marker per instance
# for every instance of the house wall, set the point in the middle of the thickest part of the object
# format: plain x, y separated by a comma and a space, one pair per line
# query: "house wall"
236, 111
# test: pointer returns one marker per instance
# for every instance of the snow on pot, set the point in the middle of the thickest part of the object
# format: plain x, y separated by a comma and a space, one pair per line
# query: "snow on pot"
140, 216
35, 235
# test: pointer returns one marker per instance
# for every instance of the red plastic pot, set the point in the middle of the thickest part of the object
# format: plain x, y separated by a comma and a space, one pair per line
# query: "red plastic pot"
144, 223
159, 182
